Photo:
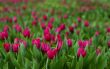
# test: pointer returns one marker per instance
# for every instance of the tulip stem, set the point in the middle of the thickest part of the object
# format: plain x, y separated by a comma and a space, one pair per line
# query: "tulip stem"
47, 64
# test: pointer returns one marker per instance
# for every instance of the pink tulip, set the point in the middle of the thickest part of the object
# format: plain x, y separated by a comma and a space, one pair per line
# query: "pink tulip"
69, 42
15, 19
51, 20
97, 33
43, 25
6, 47
71, 29
26, 32
47, 37
51, 53
59, 45
36, 42
62, 26
6, 28
23, 42
3, 35
50, 25
82, 44
45, 47
81, 52
65, 16
45, 17
17, 27
86, 23
79, 19
15, 47
16, 40
34, 22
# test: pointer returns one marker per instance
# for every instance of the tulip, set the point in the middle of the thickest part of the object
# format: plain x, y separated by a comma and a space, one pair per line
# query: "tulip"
51, 53
86, 23
82, 44
6, 28
81, 52
50, 25
58, 30
34, 22
15, 48
17, 27
43, 25
59, 45
36, 42
45, 17
47, 37
45, 47
71, 29
69, 42
62, 26
47, 31
15, 19
6, 47
16, 40
23, 42
97, 33
65, 16
79, 19
51, 20
75, 25
26, 32
3, 35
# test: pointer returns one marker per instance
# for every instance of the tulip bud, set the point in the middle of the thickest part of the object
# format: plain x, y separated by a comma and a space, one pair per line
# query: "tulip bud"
86, 23
62, 26
79, 19
47, 37
34, 23
69, 42
16, 40
36, 42
82, 44
3, 35
45, 47
6, 28
51, 20
65, 16
26, 33
59, 45
71, 29
81, 52
17, 27
97, 33
50, 25
43, 25
6, 47
51, 53
15, 19
45, 17
15, 47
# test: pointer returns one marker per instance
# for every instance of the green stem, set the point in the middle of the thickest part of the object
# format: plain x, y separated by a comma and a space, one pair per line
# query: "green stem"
47, 64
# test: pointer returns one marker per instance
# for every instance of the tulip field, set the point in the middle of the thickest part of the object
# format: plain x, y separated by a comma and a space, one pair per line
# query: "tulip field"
54, 34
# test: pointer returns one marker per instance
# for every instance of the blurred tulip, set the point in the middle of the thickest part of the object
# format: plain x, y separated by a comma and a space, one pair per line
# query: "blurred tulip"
6, 47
